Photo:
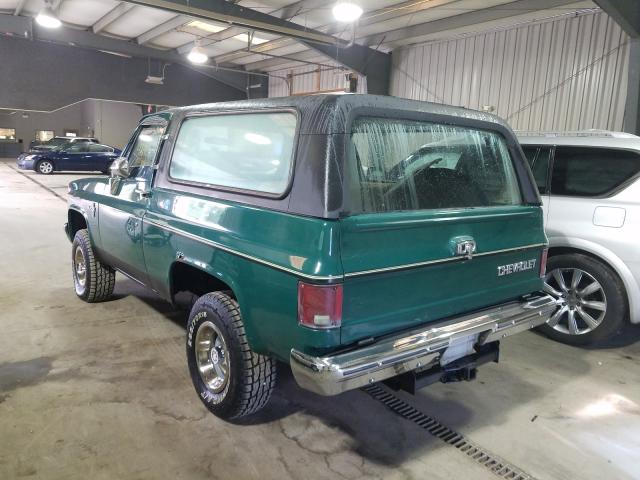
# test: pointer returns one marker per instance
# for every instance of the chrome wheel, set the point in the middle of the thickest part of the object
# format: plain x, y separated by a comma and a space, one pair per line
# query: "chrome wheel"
45, 167
212, 358
582, 304
79, 270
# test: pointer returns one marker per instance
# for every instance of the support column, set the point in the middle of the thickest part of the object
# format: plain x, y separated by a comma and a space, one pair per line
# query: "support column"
632, 106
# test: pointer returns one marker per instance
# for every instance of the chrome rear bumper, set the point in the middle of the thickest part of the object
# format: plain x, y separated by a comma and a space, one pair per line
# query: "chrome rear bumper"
416, 349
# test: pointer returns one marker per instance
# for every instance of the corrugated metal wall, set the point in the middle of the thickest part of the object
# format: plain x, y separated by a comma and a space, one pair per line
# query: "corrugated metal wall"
307, 80
569, 73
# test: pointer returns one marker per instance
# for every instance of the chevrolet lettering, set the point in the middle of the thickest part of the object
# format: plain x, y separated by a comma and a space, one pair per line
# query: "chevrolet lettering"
516, 267
352, 237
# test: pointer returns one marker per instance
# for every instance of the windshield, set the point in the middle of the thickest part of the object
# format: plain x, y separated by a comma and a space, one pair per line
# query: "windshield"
410, 165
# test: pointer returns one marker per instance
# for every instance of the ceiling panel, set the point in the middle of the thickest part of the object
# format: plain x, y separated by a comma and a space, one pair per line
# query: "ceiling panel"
314, 14
501, 23
173, 39
277, 51
85, 12
428, 15
137, 21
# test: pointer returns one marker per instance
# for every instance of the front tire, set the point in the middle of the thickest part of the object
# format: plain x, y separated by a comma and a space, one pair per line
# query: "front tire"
592, 304
93, 281
45, 167
231, 380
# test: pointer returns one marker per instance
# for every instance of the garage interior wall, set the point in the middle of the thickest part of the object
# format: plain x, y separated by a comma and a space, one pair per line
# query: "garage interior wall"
111, 122
568, 73
311, 79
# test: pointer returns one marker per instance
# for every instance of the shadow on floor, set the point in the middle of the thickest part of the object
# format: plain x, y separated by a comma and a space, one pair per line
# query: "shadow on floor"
366, 427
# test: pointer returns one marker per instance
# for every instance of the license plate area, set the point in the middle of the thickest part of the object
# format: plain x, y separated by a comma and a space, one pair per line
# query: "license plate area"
458, 348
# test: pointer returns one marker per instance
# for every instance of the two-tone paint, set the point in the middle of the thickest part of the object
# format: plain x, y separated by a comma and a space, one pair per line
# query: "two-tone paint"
398, 269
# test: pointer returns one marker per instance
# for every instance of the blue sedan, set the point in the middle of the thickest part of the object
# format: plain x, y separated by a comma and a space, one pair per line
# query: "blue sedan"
85, 157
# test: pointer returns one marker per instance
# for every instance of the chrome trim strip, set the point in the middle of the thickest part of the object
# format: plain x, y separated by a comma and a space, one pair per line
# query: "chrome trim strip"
407, 266
219, 246
440, 260
419, 349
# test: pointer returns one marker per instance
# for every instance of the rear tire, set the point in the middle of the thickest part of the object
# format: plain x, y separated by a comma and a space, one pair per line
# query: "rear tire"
45, 167
231, 380
93, 281
592, 300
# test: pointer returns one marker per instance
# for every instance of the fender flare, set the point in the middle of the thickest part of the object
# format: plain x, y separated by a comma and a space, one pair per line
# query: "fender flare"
227, 280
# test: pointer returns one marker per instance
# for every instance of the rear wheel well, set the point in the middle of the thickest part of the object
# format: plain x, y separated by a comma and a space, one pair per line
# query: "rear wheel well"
76, 222
554, 251
186, 278
45, 160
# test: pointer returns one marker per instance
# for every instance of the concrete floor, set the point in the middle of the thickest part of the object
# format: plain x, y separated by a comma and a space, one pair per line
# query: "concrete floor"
102, 391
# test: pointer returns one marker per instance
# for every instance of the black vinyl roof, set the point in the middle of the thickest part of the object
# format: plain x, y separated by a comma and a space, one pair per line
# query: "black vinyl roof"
329, 114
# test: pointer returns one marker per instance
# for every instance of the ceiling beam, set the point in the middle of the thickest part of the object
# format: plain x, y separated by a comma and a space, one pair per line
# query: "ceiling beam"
227, 12
19, 7
298, 8
213, 38
278, 60
285, 12
626, 13
163, 28
374, 64
113, 15
25, 27
632, 105
483, 15
381, 15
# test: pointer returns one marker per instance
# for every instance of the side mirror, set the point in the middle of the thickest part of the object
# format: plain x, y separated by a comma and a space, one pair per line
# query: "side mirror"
120, 168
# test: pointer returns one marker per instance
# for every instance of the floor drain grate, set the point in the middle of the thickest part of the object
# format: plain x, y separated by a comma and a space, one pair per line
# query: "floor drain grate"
494, 463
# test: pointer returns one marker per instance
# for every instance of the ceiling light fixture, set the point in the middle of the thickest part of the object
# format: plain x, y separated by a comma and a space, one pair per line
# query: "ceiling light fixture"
197, 54
47, 18
346, 11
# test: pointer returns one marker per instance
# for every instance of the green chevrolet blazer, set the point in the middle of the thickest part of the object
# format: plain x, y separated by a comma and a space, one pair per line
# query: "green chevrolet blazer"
358, 238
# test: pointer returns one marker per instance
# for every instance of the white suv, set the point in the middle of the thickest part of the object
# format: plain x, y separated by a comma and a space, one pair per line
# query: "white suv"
590, 187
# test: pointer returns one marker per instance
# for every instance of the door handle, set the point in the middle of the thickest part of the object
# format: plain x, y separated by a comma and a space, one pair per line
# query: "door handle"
463, 246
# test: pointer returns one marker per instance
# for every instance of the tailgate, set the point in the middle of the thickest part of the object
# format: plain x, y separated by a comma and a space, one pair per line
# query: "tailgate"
402, 268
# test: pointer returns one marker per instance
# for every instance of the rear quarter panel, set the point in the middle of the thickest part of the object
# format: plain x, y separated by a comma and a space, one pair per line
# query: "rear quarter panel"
260, 254
570, 223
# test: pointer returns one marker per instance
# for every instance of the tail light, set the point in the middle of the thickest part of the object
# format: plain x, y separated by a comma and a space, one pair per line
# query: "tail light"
543, 262
319, 306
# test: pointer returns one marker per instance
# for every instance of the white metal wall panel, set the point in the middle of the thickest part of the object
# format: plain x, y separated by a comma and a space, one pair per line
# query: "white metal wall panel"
568, 73
305, 80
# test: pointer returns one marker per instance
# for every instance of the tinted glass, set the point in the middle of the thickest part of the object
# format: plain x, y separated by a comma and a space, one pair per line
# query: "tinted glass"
540, 169
75, 148
530, 153
145, 148
244, 151
408, 165
57, 141
97, 148
588, 172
